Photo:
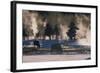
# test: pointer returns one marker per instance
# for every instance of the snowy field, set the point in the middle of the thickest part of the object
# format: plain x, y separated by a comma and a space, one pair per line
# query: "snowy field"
45, 58
69, 51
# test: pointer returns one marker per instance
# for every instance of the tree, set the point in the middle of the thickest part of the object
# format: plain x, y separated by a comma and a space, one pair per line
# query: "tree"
72, 31
25, 34
57, 30
48, 30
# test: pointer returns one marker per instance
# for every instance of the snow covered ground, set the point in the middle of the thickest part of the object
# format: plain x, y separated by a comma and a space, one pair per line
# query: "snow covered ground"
45, 58
72, 50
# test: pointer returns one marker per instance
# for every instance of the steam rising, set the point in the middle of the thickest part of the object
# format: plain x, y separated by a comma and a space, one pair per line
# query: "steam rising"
36, 21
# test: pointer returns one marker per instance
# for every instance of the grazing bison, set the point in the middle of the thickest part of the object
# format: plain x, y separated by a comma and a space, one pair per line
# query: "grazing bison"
57, 48
37, 43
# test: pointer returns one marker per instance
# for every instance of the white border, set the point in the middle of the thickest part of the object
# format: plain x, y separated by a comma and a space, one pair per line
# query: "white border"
23, 66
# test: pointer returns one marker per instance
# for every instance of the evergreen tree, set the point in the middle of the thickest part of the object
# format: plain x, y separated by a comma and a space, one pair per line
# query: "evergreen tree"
72, 31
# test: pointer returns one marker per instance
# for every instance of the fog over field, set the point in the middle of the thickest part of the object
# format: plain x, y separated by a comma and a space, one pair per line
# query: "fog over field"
34, 22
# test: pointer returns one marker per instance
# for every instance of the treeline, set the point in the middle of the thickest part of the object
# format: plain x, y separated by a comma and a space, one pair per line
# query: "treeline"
41, 24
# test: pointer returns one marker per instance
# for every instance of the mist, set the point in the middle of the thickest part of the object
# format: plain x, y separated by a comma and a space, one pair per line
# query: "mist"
37, 20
